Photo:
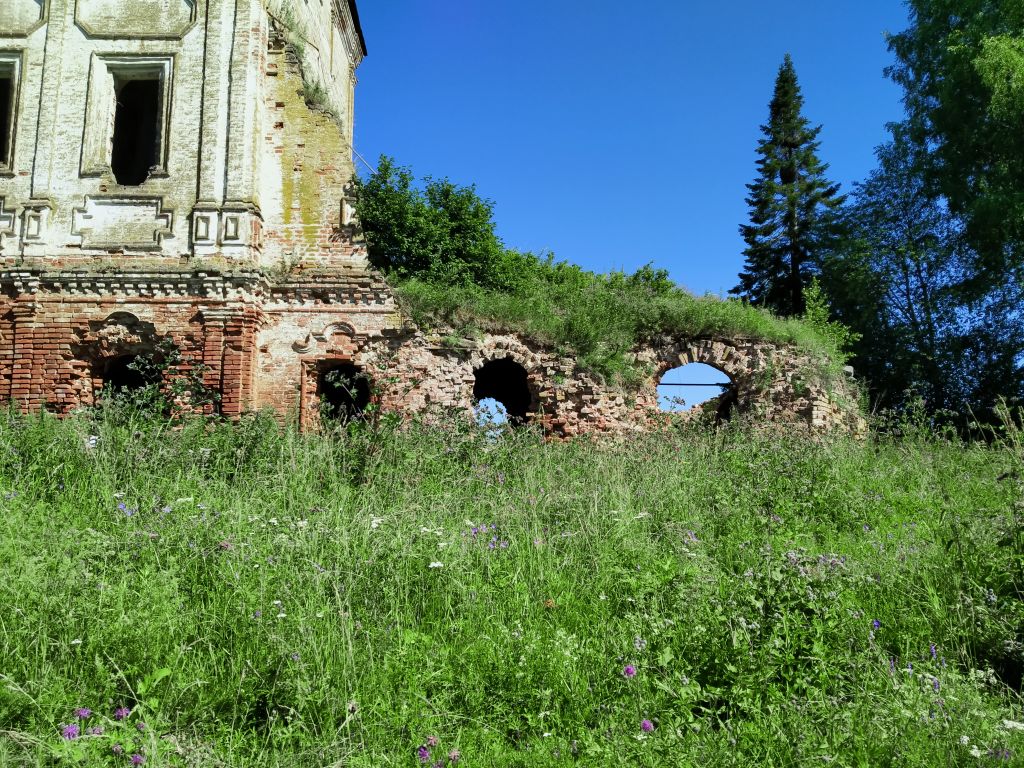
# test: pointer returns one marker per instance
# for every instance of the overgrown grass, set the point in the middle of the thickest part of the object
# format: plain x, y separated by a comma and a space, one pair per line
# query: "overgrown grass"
265, 598
600, 319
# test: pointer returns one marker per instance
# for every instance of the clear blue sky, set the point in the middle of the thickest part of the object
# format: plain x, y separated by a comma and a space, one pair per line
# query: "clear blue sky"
616, 134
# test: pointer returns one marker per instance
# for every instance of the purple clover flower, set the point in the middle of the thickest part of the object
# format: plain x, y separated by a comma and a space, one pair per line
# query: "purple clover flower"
70, 732
117, 749
646, 725
121, 713
96, 730
141, 726
423, 754
432, 741
876, 624
137, 759
454, 756
83, 713
629, 672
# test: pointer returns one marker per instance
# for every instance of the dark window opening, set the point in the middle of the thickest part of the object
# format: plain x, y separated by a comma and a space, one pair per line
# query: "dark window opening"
697, 387
344, 392
506, 382
120, 377
6, 117
136, 143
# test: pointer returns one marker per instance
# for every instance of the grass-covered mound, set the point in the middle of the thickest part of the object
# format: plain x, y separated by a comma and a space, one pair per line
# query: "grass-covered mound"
600, 319
240, 596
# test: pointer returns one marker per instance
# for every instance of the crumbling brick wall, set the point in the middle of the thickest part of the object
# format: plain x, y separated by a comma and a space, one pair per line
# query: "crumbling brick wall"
265, 344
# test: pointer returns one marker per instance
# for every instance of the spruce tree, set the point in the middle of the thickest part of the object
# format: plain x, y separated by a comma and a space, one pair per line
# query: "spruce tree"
791, 205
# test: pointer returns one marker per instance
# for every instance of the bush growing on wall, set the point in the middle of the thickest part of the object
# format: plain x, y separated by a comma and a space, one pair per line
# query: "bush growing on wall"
173, 386
442, 232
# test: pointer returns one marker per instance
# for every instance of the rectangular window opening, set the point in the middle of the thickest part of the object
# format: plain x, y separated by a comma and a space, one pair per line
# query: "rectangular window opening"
6, 117
136, 140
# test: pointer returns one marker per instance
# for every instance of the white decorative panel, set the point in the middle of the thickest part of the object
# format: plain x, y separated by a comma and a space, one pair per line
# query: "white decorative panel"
109, 223
135, 18
18, 18
34, 223
204, 231
8, 219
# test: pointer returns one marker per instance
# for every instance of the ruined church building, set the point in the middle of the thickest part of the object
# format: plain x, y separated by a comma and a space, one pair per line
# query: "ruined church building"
180, 169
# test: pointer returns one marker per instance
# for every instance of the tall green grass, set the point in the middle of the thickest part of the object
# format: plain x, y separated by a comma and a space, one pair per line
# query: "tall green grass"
259, 597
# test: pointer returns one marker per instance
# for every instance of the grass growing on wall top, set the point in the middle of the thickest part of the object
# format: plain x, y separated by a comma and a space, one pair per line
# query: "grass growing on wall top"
600, 319
241, 596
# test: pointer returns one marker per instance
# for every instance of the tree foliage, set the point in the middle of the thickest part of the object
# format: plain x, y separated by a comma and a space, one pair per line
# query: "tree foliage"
791, 205
441, 232
893, 277
961, 66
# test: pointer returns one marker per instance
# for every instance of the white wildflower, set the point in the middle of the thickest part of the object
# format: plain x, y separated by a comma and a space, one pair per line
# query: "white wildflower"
1013, 725
436, 564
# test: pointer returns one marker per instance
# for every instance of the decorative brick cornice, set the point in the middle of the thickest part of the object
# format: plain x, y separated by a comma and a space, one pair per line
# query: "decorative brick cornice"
141, 284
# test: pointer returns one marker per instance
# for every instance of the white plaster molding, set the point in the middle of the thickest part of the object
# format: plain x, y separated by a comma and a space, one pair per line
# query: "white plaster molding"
20, 18
129, 223
139, 19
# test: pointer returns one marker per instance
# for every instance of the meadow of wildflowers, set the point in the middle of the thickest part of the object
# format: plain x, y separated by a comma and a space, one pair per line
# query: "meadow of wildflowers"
241, 595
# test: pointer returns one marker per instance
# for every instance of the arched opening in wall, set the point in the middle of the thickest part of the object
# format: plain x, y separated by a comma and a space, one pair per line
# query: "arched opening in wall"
136, 141
696, 386
503, 383
343, 390
121, 376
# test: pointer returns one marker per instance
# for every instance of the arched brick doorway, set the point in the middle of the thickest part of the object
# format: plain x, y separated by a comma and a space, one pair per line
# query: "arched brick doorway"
505, 381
